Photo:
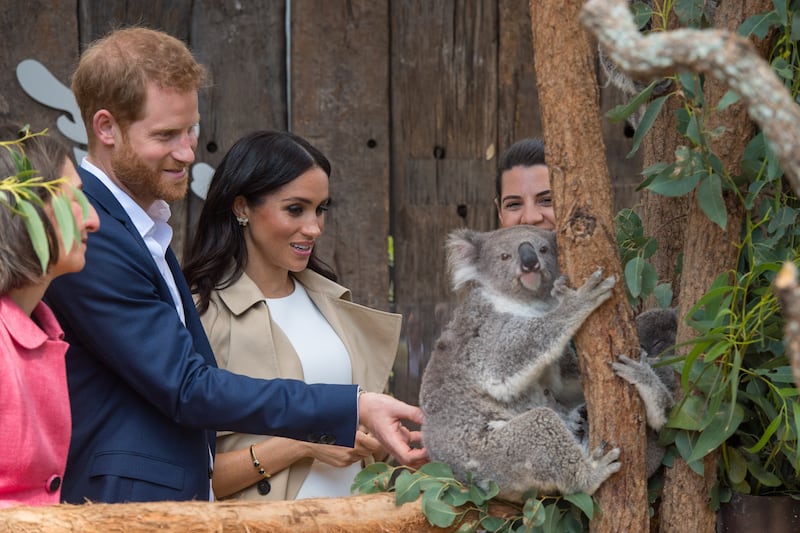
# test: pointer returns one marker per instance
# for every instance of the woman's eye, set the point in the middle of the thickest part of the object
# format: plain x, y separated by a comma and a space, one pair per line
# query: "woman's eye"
295, 210
322, 209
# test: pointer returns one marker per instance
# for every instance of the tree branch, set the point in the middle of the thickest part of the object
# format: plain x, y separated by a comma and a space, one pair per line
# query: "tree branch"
722, 54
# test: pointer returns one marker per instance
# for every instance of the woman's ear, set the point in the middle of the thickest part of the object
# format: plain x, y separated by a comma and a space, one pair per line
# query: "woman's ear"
240, 208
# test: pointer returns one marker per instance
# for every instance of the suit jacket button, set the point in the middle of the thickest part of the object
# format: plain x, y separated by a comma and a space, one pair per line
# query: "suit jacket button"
53, 483
327, 439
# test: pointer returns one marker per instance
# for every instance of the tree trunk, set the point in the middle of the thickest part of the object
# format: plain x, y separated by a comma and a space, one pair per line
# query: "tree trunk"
709, 250
664, 217
569, 106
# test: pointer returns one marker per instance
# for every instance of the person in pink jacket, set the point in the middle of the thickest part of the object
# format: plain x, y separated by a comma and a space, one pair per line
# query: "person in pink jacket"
35, 423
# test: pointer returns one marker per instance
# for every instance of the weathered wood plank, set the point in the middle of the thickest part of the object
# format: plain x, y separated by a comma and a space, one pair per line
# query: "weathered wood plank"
243, 45
339, 102
444, 123
48, 33
518, 100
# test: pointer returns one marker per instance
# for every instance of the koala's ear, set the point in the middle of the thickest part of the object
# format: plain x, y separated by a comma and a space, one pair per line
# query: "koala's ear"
463, 249
551, 240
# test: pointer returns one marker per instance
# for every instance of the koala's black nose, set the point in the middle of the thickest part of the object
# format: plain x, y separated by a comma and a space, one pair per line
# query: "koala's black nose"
528, 259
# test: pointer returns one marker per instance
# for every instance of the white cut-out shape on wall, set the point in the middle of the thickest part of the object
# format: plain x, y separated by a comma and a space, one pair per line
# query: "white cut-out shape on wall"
201, 179
40, 84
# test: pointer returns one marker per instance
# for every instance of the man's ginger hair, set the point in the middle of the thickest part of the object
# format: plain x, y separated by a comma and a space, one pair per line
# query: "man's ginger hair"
114, 71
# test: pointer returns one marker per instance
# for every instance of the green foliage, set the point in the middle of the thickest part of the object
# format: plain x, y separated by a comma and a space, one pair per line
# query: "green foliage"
20, 194
635, 249
739, 395
447, 502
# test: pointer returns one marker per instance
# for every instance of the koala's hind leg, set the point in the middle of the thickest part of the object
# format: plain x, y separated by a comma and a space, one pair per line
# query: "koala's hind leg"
536, 450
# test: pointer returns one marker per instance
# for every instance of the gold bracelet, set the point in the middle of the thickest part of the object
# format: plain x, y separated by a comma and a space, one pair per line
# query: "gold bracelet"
263, 486
257, 463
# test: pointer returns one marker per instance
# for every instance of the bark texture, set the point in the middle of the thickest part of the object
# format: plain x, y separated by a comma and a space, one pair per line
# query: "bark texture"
570, 111
358, 514
789, 297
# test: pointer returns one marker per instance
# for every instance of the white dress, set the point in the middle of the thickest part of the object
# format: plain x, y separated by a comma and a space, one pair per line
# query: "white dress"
324, 359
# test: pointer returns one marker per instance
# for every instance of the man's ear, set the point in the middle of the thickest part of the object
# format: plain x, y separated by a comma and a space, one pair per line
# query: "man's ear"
105, 127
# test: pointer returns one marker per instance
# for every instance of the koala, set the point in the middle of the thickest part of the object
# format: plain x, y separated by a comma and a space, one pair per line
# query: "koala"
493, 392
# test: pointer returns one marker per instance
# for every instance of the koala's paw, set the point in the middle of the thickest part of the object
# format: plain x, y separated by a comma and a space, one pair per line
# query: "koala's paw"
597, 289
634, 372
654, 393
560, 287
603, 464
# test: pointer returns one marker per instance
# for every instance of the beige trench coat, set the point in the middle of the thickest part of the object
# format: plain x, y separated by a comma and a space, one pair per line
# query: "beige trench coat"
245, 340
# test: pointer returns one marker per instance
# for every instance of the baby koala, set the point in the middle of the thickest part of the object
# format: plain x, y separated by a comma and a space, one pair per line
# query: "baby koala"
491, 391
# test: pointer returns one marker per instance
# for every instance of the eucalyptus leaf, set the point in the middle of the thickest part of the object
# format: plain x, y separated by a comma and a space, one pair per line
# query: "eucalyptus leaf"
737, 465
649, 117
728, 99
36, 233
533, 512
583, 501
709, 198
436, 511
690, 12
492, 523
687, 415
552, 517
633, 276
67, 225
768, 432
759, 25
621, 112
663, 294
691, 86
673, 185
764, 477
406, 487
722, 426
437, 469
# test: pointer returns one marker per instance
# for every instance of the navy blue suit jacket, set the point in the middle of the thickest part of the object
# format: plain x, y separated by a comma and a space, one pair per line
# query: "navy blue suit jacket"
145, 391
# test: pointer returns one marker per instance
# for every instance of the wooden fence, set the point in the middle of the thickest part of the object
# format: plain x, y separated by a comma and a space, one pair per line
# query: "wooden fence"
412, 100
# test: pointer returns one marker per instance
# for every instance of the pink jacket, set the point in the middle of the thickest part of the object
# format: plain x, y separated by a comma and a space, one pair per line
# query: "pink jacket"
35, 423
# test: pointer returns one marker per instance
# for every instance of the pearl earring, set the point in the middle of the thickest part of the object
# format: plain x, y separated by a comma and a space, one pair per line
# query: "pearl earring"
242, 221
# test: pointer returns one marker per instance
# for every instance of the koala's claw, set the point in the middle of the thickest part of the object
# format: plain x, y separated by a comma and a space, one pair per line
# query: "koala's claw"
629, 370
560, 286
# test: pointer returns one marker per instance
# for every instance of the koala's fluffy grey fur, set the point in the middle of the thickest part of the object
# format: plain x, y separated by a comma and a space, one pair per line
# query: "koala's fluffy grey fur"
502, 393
488, 390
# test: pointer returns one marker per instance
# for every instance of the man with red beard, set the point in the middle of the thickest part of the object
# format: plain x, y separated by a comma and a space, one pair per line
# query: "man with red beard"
145, 391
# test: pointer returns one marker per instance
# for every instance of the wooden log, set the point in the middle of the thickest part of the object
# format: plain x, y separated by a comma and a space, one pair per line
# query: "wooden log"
365, 513
357, 514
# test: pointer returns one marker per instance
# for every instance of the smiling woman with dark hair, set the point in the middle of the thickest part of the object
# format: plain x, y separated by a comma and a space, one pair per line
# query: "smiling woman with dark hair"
272, 309
523, 186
